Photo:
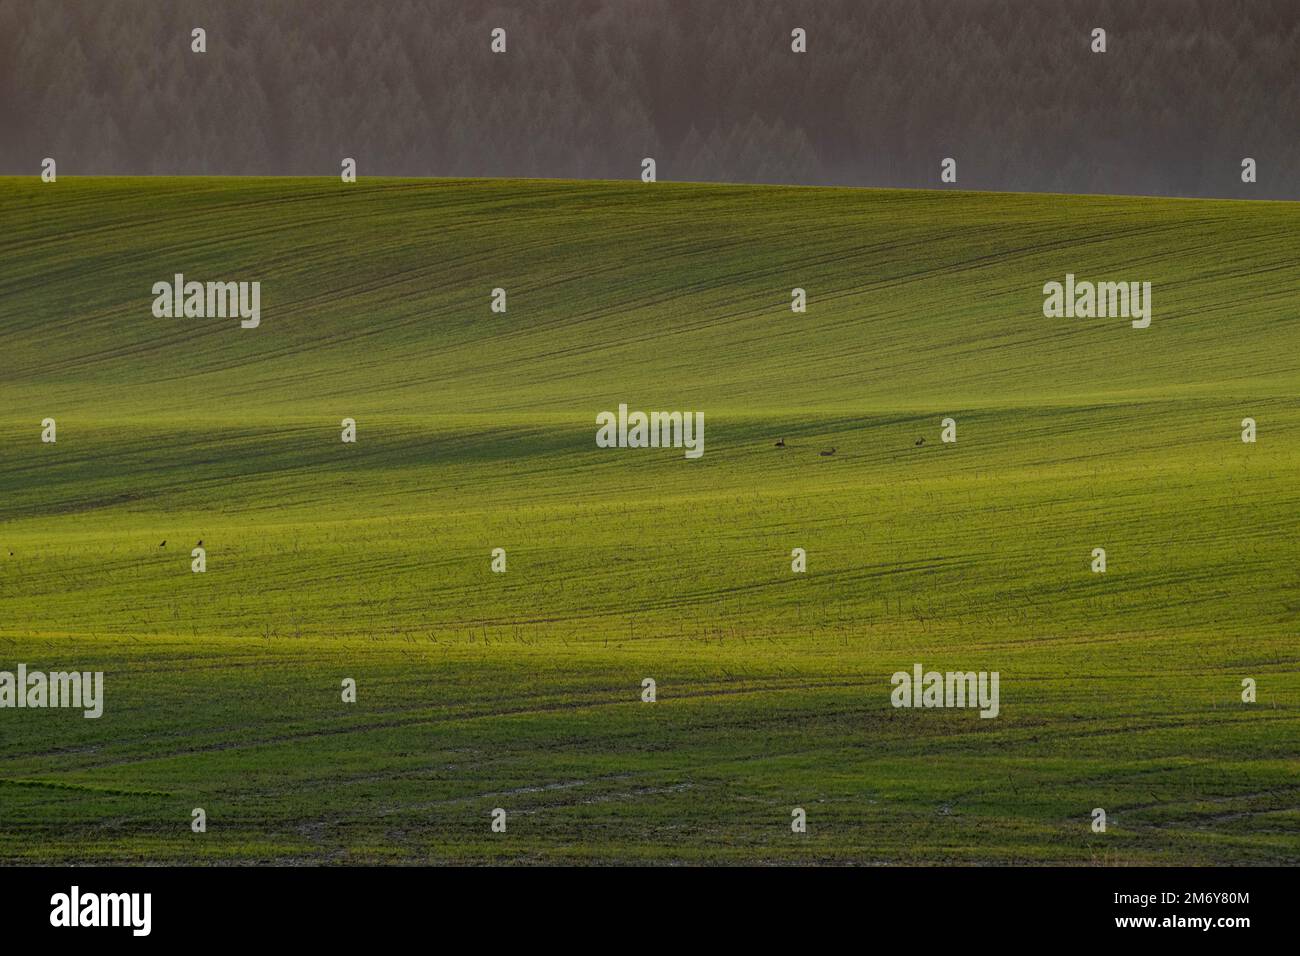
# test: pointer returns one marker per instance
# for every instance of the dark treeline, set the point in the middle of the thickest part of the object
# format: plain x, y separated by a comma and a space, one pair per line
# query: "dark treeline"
710, 88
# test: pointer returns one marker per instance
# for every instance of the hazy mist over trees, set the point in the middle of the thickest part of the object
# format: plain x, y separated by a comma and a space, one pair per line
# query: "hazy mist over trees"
709, 88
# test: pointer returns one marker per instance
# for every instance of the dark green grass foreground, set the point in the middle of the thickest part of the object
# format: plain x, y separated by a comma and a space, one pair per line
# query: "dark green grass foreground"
476, 431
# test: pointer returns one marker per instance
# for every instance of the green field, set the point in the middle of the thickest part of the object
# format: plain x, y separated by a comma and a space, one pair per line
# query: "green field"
476, 431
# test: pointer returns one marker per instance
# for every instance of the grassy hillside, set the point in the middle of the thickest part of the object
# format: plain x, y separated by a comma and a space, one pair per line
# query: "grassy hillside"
476, 431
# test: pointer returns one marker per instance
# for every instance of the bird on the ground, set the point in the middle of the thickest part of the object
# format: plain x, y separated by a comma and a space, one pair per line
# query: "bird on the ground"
780, 443
827, 454
920, 442
164, 544
200, 544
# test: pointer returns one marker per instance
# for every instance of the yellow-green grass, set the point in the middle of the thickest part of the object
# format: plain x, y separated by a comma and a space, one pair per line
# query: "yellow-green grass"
476, 431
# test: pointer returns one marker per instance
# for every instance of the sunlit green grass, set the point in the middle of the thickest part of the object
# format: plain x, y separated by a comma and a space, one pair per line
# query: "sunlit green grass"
476, 431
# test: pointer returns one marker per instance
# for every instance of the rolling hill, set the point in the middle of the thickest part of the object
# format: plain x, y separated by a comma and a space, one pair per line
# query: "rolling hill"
522, 690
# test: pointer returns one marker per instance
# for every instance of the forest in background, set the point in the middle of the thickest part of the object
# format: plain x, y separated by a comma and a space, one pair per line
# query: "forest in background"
710, 88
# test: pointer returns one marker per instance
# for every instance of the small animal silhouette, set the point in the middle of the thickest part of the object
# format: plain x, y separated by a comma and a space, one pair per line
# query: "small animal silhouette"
200, 544
780, 443
827, 454
164, 544
920, 442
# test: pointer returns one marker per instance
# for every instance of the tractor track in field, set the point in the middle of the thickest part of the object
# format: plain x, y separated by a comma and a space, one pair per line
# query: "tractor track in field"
511, 712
